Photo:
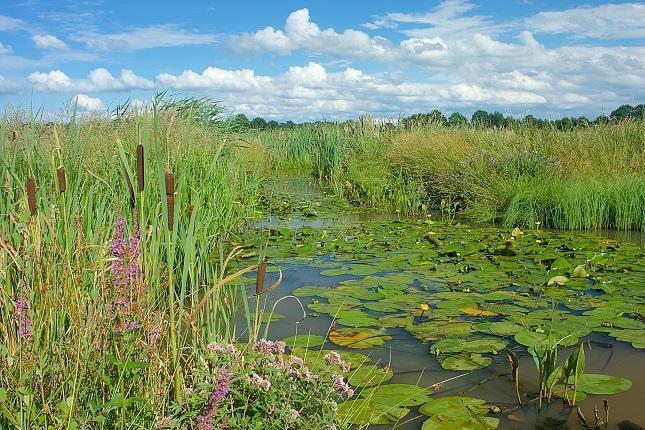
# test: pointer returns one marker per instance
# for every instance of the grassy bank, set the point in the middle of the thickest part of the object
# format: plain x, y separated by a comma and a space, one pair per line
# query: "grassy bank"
109, 263
584, 178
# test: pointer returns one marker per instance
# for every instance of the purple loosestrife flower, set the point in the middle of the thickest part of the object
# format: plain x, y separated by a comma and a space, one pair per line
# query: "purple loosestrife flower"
23, 319
125, 268
206, 420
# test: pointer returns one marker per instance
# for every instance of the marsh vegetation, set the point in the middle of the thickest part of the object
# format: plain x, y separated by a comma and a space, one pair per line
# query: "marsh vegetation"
409, 269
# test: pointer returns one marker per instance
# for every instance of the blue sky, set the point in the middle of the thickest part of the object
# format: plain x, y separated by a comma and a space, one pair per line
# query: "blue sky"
333, 59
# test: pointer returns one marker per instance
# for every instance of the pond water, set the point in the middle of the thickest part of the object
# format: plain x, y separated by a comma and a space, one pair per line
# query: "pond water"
441, 302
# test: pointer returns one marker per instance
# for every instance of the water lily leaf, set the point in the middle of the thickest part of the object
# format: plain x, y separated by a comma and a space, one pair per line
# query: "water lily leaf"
304, 340
636, 337
557, 281
592, 383
502, 328
382, 306
362, 412
369, 375
358, 338
460, 423
454, 406
437, 329
310, 291
355, 318
559, 266
579, 272
335, 272
530, 338
397, 395
488, 344
477, 312
464, 362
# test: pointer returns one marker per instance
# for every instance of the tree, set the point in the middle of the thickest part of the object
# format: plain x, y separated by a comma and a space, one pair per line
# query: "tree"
258, 123
272, 124
480, 118
456, 119
240, 120
621, 113
601, 120
497, 119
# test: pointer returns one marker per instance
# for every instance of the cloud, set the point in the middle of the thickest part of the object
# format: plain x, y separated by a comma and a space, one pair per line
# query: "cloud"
8, 86
8, 23
47, 41
53, 81
156, 36
301, 33
88, 104
609, 21
98, 80
5, 49
215, 79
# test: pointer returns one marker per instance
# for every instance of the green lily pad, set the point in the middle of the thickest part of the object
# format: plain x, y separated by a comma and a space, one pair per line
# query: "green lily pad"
460, 423
397, 395
454, 406
369, 375
464, 362
557, 281
481, 345
355, 318
592, 383
362, 412
304, 341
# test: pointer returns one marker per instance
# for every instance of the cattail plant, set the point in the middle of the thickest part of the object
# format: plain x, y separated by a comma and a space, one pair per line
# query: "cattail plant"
62, 180
140, 168
259, 281
130, 189
31, 196
170, 198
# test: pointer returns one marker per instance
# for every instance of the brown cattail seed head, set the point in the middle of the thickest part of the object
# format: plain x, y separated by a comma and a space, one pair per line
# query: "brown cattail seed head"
31, 196
140, 168
62, 180
259, 281
170, 199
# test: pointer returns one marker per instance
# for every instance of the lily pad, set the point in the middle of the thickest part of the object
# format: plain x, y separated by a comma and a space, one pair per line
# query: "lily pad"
454, 406
369, 375
465, 362
460, 423
304, 340
397, 395
481, 345
362, 412
355, 318
358, 338
592, 383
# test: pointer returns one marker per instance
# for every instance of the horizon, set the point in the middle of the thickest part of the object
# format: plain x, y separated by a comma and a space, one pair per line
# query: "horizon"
286, 62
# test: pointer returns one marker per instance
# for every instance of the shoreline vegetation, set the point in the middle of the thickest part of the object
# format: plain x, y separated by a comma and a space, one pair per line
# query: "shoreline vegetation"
115, 246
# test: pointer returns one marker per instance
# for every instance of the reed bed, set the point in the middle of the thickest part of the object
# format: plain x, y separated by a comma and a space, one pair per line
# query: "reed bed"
583, 178
113, 246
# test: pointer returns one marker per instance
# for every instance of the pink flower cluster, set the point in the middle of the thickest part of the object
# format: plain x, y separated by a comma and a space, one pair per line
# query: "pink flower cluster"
217, 348
264, 346
260, 382
333, 359
339, 384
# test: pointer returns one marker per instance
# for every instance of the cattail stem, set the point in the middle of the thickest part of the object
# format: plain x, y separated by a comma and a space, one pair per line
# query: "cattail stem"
140, 168
259, 281
130, 190
170, 199
62, 179
31, 196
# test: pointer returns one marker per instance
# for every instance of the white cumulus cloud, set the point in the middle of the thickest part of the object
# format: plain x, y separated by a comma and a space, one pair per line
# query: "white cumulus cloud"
89, 104
47, 41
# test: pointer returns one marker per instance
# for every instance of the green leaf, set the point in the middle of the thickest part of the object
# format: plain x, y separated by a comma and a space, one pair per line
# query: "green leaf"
369, 375
304, 340
362, 412
592, 383
397, 395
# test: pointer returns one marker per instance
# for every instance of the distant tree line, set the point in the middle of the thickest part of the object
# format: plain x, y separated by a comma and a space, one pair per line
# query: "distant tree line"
479, 118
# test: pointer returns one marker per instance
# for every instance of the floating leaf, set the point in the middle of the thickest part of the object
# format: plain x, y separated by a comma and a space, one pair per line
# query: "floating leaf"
465, 362
358, 338
397, 395
304, 340
557, 281
355, 318
592, 383
579, 272
460, 423
368, 375
454, 406
477, 312
362, 412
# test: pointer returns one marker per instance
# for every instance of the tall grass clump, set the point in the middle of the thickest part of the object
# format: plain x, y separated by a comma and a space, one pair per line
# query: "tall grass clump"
111, 272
